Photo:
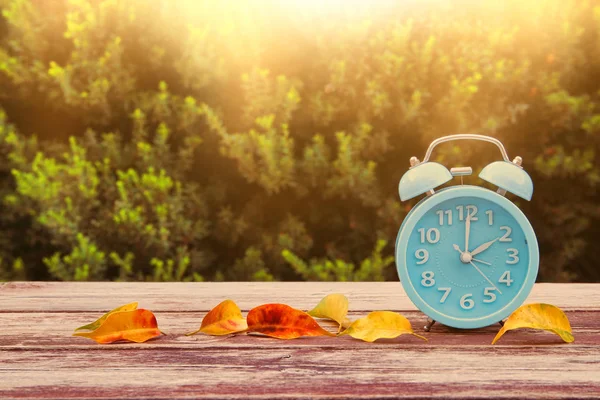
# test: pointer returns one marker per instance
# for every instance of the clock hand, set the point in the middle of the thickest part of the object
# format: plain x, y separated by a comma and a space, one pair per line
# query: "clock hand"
474, 259
481, 261
457, 248
483, 247
465, 257
467, 231
486, 278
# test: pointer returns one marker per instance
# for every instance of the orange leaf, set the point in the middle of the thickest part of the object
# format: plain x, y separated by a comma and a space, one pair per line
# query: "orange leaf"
99, 321
224, 319
283, 322
134, 326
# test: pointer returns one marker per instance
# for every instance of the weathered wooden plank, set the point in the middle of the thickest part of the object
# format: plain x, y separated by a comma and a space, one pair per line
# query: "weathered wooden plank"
39, 358
202, 296
297, 371
38, 330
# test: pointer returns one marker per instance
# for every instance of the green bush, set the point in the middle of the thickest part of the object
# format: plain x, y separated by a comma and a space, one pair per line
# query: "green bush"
194, 140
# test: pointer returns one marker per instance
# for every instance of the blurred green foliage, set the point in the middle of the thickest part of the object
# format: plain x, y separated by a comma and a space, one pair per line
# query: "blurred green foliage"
188, 140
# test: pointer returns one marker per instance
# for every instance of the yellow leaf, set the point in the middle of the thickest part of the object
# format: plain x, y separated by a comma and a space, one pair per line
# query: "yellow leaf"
380, 325
224, 319
333, 307
94, 325
346, 323
538, 316
134, 326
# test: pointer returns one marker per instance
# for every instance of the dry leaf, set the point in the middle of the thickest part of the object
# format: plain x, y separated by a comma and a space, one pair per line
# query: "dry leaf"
135, 326
334, 307
345, 323
283, 322
224, 319
94, 325
538, 316
380, 325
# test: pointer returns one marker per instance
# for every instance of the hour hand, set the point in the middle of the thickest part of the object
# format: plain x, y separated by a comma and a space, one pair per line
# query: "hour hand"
483, 247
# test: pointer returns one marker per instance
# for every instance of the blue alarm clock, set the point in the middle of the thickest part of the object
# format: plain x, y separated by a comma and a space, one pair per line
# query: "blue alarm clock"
466, 255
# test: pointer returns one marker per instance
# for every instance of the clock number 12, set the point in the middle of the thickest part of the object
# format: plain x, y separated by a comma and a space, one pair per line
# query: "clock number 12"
471, 212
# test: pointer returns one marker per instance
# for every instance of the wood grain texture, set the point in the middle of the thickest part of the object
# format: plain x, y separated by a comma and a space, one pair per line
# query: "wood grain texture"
364, 296
39, 358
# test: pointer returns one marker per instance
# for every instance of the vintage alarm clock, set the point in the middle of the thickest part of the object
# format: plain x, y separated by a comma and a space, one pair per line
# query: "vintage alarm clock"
466, 255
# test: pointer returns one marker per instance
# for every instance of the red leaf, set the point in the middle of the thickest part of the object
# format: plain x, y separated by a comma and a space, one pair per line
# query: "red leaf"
283, 322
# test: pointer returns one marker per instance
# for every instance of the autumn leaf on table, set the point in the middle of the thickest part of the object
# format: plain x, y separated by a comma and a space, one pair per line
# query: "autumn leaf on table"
538, 316
380, 325
224, 319
94, 325
283, 322
134, 326
333, 307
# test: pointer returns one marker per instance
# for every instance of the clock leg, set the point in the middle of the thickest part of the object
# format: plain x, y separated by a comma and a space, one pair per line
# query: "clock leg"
430, 323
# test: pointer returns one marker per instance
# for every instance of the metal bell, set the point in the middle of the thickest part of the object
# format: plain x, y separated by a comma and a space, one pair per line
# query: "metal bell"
421, 179
510, 177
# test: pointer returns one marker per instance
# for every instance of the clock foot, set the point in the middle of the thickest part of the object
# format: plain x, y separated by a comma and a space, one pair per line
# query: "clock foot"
501, 323
430, 323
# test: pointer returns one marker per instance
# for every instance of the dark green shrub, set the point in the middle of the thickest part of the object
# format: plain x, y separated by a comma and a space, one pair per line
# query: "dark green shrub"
145, 140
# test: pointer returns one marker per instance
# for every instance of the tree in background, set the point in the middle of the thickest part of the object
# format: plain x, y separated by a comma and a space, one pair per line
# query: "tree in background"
188, 140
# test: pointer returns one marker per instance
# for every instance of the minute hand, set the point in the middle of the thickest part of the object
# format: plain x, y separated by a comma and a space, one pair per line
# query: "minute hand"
483, 247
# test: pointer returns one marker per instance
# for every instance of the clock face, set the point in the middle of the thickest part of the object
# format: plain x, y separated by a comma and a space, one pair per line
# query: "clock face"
467, 257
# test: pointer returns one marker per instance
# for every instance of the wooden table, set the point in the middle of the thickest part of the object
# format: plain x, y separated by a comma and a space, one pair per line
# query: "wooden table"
40, 359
